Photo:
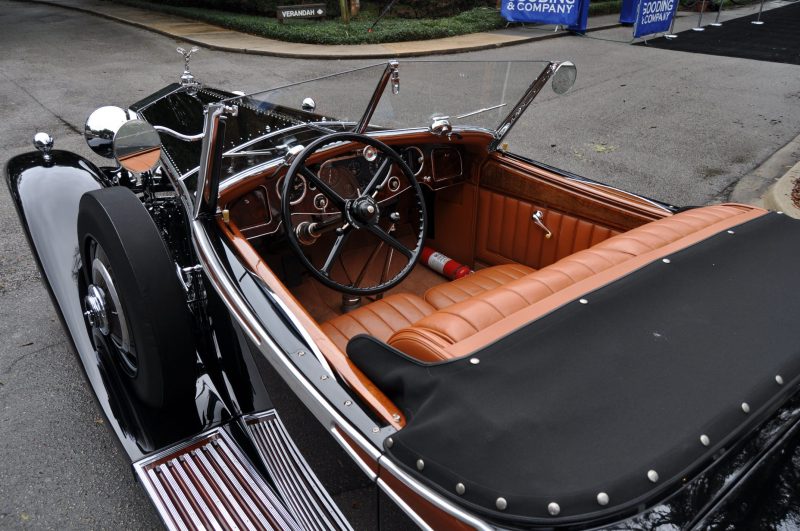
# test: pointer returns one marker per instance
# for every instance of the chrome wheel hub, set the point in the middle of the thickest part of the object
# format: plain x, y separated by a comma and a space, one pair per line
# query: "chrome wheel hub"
94, 304
105, 313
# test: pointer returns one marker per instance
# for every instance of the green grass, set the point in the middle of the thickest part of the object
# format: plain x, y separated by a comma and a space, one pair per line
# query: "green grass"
334, 31
604, 8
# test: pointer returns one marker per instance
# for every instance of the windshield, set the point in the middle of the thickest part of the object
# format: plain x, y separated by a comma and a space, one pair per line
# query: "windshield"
469, 93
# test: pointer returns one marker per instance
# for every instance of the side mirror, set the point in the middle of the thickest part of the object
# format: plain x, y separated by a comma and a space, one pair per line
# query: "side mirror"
137, 146
102, 125
564, 77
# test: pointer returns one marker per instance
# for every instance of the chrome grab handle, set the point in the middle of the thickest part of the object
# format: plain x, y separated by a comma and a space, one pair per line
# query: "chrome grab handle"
537, 218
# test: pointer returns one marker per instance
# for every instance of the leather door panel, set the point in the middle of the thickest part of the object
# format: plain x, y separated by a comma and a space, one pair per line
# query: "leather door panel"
506, 232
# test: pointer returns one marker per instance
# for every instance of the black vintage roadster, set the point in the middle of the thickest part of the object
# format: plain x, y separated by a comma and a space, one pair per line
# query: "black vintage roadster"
284, 298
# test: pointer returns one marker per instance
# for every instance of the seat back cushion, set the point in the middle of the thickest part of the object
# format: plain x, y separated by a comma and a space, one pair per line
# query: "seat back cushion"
432, 337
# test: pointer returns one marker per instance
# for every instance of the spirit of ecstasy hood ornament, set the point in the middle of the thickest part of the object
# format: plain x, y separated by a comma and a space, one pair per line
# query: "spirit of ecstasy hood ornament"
187, 79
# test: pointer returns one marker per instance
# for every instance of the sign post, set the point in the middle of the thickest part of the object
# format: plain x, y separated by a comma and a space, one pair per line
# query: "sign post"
654, 16
699, 26
758, 21
716, 22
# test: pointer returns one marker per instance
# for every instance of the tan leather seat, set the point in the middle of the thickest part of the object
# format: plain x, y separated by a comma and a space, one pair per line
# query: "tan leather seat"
462, 327
480, 281
379, 319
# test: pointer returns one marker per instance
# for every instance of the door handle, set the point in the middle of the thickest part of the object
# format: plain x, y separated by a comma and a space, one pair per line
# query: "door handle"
537, 218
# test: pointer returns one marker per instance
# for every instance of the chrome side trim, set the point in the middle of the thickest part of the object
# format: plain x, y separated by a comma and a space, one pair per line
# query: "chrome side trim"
207, 482
295, 481
403, 505
353, 455
302, 331
431, 496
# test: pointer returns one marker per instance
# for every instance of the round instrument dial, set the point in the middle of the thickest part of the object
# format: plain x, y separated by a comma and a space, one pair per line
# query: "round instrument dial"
298, 191
415, 159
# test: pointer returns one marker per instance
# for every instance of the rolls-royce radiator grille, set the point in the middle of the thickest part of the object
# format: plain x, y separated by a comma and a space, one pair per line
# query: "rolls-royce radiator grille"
208, 483
297, 484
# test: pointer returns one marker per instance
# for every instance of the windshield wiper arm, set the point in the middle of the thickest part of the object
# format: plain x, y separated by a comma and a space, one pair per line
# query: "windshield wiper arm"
473, 113
316, 126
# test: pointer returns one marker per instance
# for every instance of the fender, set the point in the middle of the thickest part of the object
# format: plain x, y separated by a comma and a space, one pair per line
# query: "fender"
46, 196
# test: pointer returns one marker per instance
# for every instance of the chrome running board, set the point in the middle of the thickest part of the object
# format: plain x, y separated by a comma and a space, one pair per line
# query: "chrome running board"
297, 484
208, 483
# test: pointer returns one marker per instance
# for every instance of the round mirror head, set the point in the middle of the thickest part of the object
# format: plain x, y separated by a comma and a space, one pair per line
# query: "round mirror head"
137, 146
102, 125
309, 104
564, 77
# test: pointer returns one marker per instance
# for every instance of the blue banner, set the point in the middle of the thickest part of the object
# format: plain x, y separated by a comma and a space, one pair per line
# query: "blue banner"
654, 16
582, 22
627, 13
564, 12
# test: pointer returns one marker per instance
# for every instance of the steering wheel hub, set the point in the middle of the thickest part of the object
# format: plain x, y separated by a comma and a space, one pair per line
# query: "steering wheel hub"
364, 210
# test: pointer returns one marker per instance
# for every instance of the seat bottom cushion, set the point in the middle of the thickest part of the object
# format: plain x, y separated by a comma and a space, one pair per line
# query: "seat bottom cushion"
480, 281
379, 319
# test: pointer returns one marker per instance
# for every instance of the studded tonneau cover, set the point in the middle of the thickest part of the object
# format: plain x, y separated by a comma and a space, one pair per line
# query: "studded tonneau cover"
601, 406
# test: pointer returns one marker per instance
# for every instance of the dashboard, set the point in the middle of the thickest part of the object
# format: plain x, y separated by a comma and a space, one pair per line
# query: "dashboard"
257, 214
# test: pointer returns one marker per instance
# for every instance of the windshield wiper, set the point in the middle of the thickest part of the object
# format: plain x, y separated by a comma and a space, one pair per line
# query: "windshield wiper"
473, 113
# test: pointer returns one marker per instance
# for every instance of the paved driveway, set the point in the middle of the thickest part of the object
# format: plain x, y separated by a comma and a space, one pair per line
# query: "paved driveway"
680, 127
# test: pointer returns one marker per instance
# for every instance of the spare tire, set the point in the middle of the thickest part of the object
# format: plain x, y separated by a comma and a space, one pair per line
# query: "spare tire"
143, 308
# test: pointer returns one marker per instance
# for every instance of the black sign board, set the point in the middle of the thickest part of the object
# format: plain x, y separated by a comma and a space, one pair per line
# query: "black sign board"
301, 11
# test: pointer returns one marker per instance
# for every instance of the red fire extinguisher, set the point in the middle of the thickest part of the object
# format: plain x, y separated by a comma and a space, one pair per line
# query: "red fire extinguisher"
443, 264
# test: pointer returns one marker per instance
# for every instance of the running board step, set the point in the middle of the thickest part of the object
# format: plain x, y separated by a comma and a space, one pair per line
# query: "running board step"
208, 483
297, 484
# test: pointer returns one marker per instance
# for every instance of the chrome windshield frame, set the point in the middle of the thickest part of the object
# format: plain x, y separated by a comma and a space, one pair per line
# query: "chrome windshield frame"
524, 102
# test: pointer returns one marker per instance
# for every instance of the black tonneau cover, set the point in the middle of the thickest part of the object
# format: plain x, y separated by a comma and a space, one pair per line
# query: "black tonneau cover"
592, 397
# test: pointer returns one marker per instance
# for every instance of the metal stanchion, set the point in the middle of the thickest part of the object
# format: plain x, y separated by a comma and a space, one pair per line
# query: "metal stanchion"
716, 22
700, 18
758, 22
670, 34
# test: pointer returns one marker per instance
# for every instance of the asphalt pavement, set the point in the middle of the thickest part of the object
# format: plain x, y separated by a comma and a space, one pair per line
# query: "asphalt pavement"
680, 127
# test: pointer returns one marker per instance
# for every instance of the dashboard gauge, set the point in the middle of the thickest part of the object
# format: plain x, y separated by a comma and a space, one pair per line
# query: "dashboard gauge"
320, 202
393, 184
415, 159
370, 153
298, 191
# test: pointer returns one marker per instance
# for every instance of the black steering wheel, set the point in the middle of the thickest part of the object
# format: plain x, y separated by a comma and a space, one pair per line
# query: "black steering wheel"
363, 201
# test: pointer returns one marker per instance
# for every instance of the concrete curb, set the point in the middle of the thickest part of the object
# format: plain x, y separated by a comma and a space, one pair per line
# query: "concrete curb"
311, 51
770, 184
779, 195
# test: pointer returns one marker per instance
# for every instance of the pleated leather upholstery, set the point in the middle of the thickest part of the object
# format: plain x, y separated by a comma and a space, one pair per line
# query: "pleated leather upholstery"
482, 280
507, 234
431, 337
379, 319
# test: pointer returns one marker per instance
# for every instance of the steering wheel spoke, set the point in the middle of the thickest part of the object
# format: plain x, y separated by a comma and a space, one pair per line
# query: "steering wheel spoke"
390, 240
324, 187
336, 252
378, 180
